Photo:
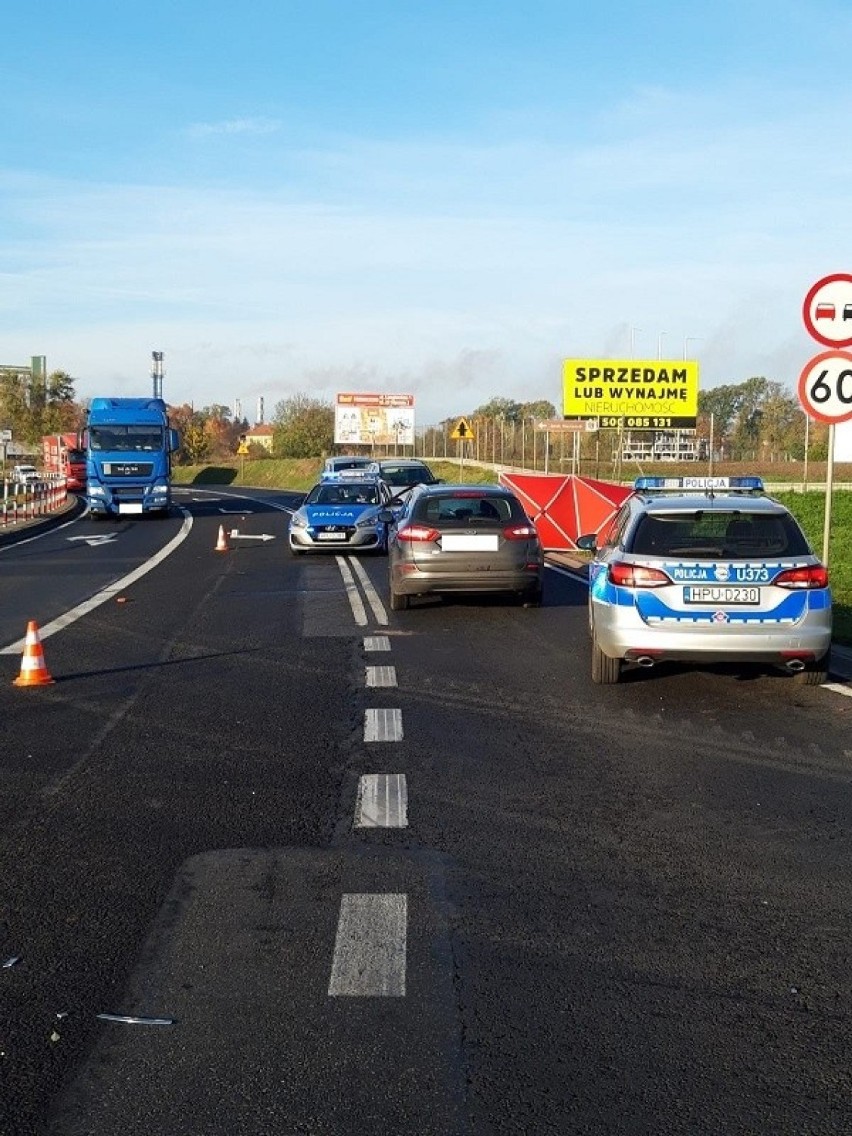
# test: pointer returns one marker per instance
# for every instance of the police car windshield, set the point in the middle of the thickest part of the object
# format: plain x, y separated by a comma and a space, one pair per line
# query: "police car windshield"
341, 493
714, 535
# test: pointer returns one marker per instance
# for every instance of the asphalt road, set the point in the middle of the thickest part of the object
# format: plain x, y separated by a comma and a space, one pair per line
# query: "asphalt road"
611, 910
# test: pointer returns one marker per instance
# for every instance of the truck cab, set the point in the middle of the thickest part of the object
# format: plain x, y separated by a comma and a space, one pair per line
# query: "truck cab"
129, 444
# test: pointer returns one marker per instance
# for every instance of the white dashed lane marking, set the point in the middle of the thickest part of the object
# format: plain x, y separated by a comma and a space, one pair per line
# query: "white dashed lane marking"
381, 676
382, 725
377, 643
369, 950
382, 801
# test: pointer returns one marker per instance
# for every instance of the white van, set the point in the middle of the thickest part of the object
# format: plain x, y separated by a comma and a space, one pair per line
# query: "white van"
25, 474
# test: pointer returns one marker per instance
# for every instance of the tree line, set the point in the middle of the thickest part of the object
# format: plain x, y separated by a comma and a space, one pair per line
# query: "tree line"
758, 419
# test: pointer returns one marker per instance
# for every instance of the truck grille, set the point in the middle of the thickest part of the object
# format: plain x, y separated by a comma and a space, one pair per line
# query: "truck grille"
128, 469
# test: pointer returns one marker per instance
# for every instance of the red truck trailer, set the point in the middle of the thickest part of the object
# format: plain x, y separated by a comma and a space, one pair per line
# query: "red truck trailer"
63, 456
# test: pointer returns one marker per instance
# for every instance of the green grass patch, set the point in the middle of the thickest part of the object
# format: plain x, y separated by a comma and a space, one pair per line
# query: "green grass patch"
809, 511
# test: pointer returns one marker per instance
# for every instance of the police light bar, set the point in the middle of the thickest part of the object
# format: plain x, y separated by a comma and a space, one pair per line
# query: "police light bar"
729, 484
348, 475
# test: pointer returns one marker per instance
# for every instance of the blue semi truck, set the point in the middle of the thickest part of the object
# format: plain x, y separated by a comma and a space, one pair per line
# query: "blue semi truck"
129, 445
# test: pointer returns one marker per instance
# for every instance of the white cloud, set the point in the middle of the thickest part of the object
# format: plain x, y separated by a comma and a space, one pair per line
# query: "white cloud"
234, 126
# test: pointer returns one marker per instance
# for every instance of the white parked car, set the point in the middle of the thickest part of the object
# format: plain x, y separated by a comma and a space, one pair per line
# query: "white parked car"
24, 474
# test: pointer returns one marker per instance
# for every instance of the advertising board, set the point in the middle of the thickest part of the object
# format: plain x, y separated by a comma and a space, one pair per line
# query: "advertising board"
636, 394
374, 419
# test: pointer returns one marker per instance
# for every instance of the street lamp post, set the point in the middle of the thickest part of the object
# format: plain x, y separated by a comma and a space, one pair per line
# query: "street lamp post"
660, 338
687, 340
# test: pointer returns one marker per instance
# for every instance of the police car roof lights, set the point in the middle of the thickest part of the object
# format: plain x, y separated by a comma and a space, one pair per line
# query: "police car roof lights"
348, 475
709, 484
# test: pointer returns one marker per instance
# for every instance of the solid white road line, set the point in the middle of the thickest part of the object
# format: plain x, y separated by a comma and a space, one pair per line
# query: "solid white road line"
369, 950
381, 676
108, 593
355, 601
382, 725
382, 801
370, 592
838, 689
377, 643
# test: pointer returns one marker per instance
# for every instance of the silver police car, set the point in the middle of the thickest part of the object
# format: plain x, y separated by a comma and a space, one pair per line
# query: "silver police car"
342, 512
706, 570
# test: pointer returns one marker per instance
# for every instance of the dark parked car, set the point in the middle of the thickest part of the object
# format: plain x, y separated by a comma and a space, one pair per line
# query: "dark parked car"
464, 538
403, 473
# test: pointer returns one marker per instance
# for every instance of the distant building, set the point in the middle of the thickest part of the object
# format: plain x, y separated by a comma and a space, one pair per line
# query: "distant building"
260, 435
661, 445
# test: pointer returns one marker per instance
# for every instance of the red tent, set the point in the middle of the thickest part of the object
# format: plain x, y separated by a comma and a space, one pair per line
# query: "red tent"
564, 508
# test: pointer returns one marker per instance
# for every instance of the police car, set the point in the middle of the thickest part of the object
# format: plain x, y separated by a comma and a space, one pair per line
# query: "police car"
705, 570
342, 512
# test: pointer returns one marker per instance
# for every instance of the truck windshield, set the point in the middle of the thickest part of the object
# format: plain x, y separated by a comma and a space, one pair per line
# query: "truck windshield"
116, 438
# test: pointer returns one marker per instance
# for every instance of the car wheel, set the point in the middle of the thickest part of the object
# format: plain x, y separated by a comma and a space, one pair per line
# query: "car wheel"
533, 597
605, 671
814, 674
398, 602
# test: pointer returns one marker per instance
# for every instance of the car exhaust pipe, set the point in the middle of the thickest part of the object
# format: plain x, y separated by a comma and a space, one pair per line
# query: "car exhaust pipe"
646, 661
795, 665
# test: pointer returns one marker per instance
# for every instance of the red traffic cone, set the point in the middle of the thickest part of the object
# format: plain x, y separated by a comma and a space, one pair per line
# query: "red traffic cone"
221, 543
34, 672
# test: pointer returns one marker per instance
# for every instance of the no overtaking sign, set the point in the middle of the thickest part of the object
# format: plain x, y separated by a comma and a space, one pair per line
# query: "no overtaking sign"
825, 384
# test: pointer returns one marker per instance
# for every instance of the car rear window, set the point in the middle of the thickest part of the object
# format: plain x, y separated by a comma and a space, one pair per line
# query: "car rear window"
710, 535
406, 475
467, 509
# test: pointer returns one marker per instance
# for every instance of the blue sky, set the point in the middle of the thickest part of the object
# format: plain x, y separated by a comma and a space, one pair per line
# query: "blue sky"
444, 199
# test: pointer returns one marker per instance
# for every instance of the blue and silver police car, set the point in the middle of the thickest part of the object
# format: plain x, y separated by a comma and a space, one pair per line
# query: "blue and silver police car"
706, 570
342, 512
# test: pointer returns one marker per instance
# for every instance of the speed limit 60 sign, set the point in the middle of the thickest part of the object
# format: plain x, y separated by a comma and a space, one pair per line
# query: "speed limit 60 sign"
825, 387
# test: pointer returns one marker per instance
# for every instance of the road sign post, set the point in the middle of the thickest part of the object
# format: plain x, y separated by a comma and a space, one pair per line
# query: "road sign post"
461, 434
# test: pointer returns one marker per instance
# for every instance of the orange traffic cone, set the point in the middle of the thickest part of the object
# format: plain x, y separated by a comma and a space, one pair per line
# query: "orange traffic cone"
34, 672
221, 543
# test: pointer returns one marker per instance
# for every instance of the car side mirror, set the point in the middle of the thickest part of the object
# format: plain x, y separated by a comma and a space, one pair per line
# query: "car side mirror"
587, 543
386, 517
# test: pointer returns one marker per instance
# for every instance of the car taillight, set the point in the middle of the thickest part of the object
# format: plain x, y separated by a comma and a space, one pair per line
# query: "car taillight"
519, 532
814, 576
417, 533
636, 576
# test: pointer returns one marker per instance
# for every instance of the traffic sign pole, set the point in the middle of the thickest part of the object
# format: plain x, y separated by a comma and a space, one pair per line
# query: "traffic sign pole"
829, 486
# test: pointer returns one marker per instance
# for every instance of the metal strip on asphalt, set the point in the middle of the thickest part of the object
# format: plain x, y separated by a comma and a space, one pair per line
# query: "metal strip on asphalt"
382, 725
370, 946
382, 801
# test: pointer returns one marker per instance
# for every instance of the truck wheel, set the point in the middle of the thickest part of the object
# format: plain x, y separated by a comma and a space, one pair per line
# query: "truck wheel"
605, 671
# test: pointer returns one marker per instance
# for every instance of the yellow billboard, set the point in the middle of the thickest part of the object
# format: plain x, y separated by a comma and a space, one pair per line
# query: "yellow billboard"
637, 394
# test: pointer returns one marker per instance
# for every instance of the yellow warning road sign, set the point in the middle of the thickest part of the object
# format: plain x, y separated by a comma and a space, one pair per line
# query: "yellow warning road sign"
242, 450
462, 432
